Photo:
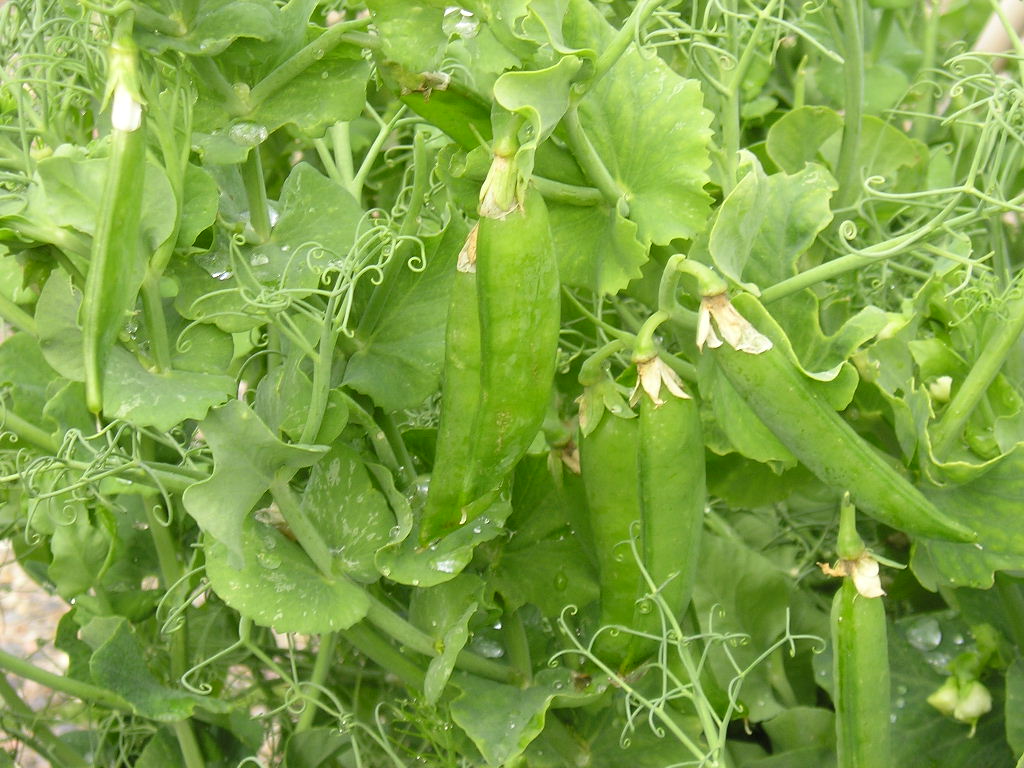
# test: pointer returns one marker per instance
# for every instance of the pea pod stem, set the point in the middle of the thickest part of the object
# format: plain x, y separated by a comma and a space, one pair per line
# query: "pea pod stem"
591, 162
983, 372
592, 369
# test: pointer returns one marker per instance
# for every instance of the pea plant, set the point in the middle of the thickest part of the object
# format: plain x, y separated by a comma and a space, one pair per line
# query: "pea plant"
528, 383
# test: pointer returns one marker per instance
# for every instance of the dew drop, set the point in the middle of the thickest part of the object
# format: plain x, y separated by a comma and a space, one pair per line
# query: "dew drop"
925, 634
561, 580
248, 134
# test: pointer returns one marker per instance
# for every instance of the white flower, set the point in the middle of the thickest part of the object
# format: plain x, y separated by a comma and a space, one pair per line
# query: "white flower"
126, 112
467, 256
863, 571
729, 325
651, 375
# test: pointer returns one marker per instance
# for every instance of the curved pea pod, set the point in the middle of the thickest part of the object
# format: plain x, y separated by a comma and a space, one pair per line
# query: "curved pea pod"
779, 393
610, 465
860, 662
115, 269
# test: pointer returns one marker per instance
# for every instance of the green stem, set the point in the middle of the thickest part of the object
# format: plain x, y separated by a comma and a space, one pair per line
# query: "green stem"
394, 436
211, 76
645, 347
371, 154
323, 363
76, 688
592, 370
256, 192
304, 58
378, 440
300, 524
591, 162
568, 194
16, 316
394, 626
1013, 605
847, 171
187, 743
64, 754
518, 646
156, 323
341, 143
608, 328
11, 421
379, 650
982, 373
322, 665
623, 38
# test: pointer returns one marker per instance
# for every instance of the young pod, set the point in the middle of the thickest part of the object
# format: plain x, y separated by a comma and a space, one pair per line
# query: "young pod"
779, 393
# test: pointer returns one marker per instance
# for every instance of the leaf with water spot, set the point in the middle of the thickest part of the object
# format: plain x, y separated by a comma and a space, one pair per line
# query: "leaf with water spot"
278, 586
246, 457
351, 515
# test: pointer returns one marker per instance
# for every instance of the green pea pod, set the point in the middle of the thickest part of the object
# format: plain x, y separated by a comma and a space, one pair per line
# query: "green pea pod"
779, 393
460, 395
114, 268
861, 669
610, 465
644, 478
672, 496
518, 316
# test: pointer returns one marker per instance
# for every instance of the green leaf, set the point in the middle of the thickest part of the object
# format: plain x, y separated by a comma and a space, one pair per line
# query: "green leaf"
546, 562
81, 549
404, 562
767, 222
351, 515
795, 139
25, 377
502, 719
216, 25
1015, 706
278, 586
118, 663
339, 81
597, 249
318, 225
246, 458
200, 199
542, 97
651, 130
313, 748
444, 612
73, 189
990, 503
398, 363
411, 33
160, 400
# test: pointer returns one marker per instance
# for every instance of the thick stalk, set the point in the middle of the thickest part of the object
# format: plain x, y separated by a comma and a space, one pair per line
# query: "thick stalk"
256, 192
190, 751
322, 665
847, 172
84, 691
30, 433
518, 645
16, 316
63, 754
413, 638
983, 372
568, 194
379, 650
